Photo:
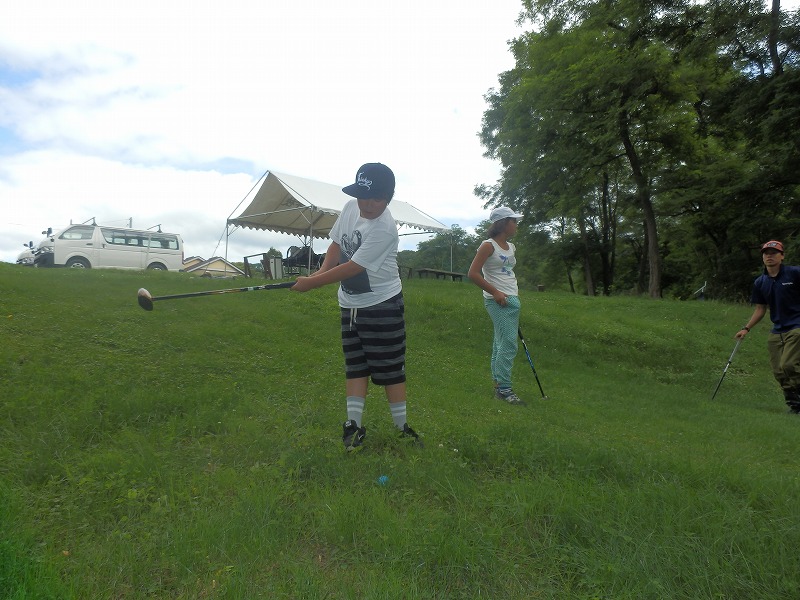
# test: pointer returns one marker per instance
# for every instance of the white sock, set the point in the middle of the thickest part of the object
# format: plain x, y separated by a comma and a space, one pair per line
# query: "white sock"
398, 414
355, 409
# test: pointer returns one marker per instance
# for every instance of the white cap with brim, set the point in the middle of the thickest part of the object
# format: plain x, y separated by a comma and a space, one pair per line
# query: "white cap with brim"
503, 212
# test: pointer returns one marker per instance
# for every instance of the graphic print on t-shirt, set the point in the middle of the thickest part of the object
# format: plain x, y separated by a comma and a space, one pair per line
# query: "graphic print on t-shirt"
508, 264
360, 283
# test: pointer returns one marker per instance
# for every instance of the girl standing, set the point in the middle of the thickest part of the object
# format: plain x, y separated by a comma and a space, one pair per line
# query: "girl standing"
492, 270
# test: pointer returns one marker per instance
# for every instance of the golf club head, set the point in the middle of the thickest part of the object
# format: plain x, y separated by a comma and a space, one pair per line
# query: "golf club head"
145, 299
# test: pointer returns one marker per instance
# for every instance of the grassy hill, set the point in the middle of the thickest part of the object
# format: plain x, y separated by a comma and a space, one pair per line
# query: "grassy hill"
195, 452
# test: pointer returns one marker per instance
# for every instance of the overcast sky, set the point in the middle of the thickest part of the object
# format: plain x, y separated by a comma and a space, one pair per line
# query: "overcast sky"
169, 112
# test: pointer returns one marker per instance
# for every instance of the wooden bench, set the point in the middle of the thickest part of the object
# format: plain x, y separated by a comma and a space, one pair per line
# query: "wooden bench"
438, 273
407, 270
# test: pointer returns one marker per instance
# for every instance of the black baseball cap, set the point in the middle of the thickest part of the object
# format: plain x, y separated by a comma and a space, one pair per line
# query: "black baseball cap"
373, 180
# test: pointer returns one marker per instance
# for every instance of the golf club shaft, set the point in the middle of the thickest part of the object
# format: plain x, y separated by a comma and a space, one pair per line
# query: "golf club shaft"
530, 361
269, 286
728, 364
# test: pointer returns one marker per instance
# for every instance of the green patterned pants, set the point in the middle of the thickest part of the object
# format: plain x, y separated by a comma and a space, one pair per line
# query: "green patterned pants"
504, 344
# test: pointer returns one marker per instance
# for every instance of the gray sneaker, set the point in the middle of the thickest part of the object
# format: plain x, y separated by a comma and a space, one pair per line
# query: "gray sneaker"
508, 395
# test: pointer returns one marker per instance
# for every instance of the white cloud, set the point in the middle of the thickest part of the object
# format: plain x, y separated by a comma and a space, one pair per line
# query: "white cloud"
120, 110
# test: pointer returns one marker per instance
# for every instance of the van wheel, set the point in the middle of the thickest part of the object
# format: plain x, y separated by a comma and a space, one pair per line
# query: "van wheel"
78, 263
156, 267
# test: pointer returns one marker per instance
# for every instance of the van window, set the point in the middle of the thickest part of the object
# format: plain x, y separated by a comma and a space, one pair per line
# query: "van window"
167, 242
80, 232
120, 237
131, 238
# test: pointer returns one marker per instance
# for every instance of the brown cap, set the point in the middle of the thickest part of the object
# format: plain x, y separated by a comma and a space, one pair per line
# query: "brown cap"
772, 245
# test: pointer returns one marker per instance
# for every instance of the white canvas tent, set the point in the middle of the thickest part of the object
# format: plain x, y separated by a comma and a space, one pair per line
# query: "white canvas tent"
308, 208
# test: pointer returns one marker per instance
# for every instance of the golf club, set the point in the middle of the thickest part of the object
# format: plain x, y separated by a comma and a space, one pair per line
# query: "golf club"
146, 299
530, 360
728, 364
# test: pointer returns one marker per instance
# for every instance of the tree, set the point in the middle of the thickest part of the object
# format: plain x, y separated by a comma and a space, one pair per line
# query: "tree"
742, 185
623, 118
591, 89
452, 250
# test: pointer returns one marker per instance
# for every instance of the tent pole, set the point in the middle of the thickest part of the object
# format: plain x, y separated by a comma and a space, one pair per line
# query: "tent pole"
310, 240
227, 235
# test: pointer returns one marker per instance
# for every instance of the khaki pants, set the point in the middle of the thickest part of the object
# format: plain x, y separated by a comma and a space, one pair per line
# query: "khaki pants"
784, 358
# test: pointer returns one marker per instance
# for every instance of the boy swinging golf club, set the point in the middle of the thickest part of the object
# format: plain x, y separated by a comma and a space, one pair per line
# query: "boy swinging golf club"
362, 259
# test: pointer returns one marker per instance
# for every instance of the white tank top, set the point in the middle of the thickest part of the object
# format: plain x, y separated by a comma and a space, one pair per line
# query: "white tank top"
499, 269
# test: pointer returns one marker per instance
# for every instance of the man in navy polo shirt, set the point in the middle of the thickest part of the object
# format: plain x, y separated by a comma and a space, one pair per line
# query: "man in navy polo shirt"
779, 290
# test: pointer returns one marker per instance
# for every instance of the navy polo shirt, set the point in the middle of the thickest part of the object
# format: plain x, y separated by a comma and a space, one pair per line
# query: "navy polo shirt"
782, 294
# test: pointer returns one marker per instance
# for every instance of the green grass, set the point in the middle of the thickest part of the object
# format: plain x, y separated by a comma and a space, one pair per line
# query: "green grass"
195, 452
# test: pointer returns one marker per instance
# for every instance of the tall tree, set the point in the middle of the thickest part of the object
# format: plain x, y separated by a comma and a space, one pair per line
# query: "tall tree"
671, 96
743, 184
592, 88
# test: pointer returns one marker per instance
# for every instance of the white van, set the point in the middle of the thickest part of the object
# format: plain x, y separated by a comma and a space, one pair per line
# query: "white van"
94, 246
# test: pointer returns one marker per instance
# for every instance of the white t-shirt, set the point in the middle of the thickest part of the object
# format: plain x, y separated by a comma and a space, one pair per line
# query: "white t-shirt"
499, 269
372, 244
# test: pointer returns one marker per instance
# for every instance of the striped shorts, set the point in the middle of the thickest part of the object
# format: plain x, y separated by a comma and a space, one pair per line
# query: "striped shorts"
374, 342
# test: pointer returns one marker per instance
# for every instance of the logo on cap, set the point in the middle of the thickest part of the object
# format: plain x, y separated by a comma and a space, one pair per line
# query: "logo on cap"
772, 245
363, 181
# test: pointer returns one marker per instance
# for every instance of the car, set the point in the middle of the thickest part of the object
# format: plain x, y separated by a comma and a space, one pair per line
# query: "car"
27, 256
86, 246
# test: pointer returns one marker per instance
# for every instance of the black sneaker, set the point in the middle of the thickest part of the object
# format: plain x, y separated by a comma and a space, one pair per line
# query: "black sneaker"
352, 435
793, 402
409, 434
